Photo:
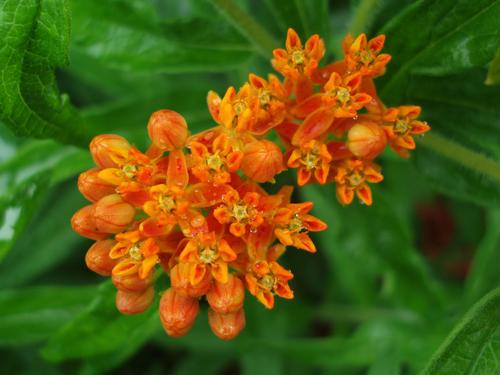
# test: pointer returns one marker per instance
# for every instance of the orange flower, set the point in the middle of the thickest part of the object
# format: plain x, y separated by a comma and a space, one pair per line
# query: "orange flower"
271, 98
237, 109
97, 257
109, 150
92, 187
228, 297
241, 214
205, 253
340, 95
136, 254
295, 60
267, 279
401, 125
167, 129
352, 176
226, 326
366, 140
217, 164
177, 312
293, 224
364, 56
311, 159
262, 160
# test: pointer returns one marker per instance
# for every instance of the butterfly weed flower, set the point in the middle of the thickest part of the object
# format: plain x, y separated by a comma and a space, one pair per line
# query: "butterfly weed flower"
192, 205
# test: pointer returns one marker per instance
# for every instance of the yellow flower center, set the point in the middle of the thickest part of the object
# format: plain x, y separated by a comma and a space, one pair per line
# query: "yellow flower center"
343, 95
366, 57
208, 255
401, 127
135, 252
298, 57
268, 282
167, 202
239, 106
264, 98
129, 170
310, 161
355, 179
240, 212
214, 162
296, 224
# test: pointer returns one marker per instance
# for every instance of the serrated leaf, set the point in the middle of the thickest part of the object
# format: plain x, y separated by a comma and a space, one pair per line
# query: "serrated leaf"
32, 314
473, 347
34, 39
100, 329
437, 38
493, 77
119, 37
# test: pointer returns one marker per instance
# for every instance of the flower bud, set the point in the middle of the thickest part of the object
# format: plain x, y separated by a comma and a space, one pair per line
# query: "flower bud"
129, 303
179, 279
226, 326
107, 149
262, 160
131, 283
177, 312
113, 215
167, 130
83, 222
92, 187
97, 257
366, 140
227, 297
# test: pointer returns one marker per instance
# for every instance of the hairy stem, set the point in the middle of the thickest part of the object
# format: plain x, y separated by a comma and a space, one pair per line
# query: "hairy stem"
246, 24
460, 154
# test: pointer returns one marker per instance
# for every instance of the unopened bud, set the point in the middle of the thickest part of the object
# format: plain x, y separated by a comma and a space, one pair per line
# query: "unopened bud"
130, 303
92, 187
366, 140
167, 129
227, 297
84, 223
113, 214
132, 283
179, 279
108, 149
97, 257
262, 160
177, 312
226, 326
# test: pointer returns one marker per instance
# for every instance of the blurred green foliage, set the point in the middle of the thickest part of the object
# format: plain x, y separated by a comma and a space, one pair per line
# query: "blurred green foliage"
403, 287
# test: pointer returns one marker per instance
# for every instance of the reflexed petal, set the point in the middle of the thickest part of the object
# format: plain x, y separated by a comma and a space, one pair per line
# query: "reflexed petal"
364, 193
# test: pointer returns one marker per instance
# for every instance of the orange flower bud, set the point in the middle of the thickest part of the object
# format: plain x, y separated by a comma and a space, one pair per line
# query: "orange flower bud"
113, 215
262, 160
226, 326
97, 257
83, 222
167, 129
366, 140
132, 283
130, 303
92, 187
179, 279
177, 312
228, 297
107, 149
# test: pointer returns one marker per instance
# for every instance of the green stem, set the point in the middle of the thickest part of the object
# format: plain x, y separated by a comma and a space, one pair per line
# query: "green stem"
362, 17
460, 154
245, 23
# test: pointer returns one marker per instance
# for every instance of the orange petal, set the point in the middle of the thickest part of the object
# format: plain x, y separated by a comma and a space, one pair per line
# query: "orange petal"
344, 194
177, 174
197, 273
315, 125
364, 193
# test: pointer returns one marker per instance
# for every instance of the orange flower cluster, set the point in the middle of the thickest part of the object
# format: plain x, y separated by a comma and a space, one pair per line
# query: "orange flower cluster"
192, 205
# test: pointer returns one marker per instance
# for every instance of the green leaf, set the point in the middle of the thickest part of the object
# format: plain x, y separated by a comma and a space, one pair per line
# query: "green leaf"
33, 314
47, 240
493, 77
438, 38
484, 274
473, 347
305, 17
26, 176
100, 329
118, 36
34, 39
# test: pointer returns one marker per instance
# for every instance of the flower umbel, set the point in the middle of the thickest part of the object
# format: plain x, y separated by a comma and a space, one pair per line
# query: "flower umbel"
192, 205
